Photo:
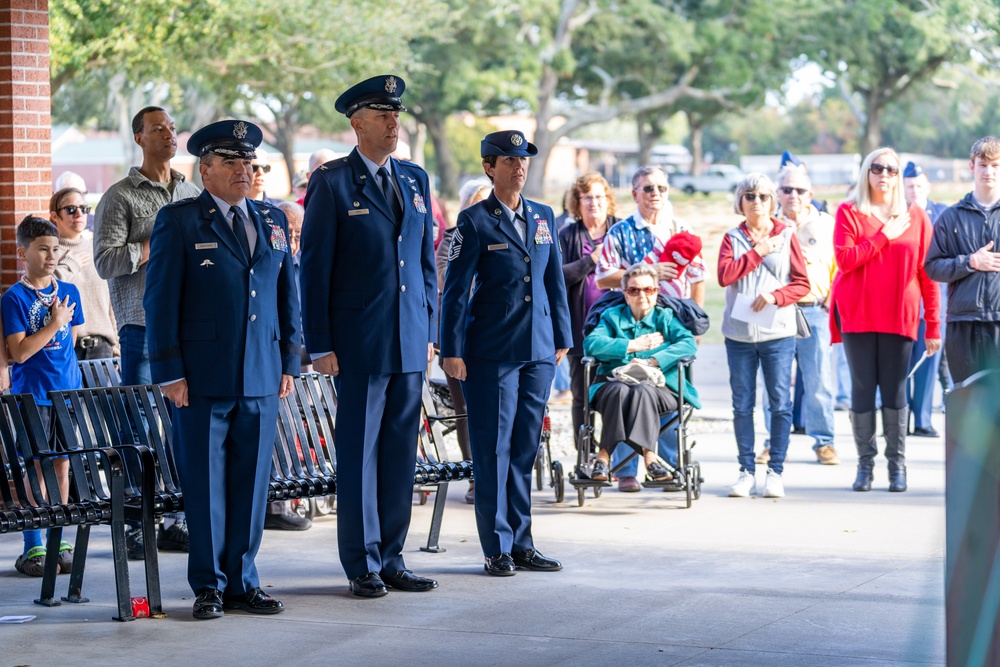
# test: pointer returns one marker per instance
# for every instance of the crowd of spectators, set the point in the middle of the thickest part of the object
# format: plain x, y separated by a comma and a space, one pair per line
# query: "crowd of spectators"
798, 283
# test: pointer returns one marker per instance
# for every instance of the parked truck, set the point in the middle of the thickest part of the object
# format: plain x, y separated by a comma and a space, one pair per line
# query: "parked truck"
715, 178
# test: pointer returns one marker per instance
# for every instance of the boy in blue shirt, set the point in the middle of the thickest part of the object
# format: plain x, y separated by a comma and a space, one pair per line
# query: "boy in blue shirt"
41, 316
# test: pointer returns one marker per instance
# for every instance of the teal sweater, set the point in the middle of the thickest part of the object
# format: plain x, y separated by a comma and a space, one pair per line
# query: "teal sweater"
609, 341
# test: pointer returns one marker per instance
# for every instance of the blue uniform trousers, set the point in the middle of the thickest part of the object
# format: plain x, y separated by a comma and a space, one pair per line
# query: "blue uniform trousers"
376, 441
223, 449
506, 404
920, 394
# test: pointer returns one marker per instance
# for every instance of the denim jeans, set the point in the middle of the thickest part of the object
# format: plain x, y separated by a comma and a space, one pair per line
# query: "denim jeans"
135, 355
666, 448
842, 374
775, 359
813, 358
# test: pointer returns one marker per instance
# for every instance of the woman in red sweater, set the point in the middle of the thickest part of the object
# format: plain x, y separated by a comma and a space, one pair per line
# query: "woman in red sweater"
880, 242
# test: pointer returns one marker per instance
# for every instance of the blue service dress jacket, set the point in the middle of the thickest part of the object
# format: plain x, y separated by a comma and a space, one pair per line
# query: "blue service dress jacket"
227, 325
369, 289
518, 310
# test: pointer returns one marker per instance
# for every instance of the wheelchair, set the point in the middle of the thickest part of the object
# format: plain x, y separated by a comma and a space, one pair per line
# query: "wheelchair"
686, 474
544, 462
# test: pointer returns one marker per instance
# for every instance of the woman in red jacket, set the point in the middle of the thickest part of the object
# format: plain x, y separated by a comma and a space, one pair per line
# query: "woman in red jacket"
880, 243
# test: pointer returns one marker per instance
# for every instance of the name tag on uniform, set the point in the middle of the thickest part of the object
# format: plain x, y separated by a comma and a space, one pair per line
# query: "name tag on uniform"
206, 246
497, 246
357, 211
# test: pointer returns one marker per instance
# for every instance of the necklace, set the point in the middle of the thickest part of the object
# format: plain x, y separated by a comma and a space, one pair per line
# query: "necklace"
46, 299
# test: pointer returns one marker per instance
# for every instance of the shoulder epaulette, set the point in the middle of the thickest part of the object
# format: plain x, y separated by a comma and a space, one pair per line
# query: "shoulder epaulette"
186, 200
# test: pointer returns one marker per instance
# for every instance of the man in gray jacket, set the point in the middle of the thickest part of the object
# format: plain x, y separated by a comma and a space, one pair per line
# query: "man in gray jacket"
122, 225
962, 255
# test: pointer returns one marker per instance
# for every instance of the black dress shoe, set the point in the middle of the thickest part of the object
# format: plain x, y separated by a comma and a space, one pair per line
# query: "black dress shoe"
405, 580
600, 472
208, 604
529, 559
286, 521
254, 601
501, 565
369, 586
928, 432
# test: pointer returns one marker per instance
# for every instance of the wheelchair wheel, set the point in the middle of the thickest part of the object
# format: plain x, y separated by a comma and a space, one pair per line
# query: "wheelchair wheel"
697, 481
597, 491
558, 481
580, 496
304, 507
323, 505
539, 469
690, 482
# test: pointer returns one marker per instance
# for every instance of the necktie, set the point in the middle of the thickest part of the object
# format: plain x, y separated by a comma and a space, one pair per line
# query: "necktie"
240, 230
389, 193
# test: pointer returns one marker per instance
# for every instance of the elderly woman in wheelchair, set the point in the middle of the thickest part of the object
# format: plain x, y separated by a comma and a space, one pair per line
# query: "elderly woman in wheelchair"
638, 346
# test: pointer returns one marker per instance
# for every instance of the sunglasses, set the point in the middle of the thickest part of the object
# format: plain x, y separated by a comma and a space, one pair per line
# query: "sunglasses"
878, 168
266, 168
787, 190
636, 291
650, 189
754, 196
73, 209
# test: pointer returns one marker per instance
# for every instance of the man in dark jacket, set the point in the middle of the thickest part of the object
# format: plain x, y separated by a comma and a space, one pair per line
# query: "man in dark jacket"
962, 255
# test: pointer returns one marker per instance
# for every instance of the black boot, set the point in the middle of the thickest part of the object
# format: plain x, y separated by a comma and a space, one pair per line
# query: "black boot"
894, 424
863, 426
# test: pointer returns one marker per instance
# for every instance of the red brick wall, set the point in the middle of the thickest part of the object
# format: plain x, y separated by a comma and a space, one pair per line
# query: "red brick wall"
25, 124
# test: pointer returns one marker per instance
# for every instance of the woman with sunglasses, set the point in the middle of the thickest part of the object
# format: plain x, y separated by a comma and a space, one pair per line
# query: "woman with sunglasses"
637, 331
98, 335
764, 272
880, 242
591, 205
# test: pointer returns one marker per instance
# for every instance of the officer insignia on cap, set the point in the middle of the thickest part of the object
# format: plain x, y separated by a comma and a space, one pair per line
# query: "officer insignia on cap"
516, 139
240, 130
390, 84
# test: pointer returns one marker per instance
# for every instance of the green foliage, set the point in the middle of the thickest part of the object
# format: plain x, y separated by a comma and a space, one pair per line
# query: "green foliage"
463, 139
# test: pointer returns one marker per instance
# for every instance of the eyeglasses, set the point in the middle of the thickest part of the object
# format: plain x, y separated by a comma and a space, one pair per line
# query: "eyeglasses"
787, 190
73, 209
636, 291
754, 196
593, 198
266, 168
650, 189
878, 168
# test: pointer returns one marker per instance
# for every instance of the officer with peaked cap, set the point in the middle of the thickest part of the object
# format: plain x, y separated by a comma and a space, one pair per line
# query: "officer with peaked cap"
368, 299
920, 395
503, 343
222, 325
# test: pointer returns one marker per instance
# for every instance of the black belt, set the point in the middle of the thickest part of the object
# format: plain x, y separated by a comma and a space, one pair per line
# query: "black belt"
87, 342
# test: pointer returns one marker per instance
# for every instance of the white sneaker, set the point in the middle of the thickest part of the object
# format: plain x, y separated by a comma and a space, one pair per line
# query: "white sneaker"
744, 487
773, 486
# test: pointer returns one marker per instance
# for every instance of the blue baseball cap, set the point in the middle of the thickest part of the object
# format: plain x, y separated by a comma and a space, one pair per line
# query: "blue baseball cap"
381, 92
509, 143
229, 138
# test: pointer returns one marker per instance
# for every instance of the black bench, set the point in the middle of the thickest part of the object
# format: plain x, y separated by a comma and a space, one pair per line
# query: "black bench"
97, 489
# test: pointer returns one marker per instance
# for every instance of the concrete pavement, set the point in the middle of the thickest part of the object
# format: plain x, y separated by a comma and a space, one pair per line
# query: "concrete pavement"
823, 577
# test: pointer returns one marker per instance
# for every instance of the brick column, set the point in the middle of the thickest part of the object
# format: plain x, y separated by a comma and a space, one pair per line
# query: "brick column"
25, 123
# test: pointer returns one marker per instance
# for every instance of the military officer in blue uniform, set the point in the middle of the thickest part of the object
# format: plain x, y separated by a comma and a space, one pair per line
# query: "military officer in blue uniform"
503, 343
222, 326
369, 299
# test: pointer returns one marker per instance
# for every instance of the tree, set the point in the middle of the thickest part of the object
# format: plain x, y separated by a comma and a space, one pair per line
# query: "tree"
593, 69
460, 66
876, 50
271, 61
147, 39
